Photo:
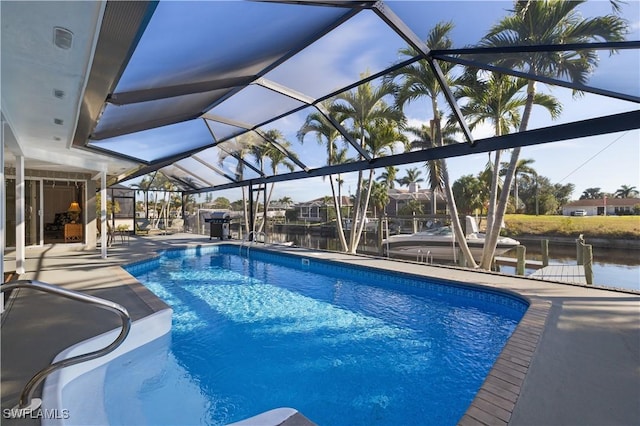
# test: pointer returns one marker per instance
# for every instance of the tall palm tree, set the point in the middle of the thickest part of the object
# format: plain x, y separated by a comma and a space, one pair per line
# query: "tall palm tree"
239, 147
328, 135
286, 201
383, 136
412, 177
388, 177
626, 191
424, 138
524, 171
143, 186
417, 81
379, 200
497, 99
365, 111
540, 22
277, 159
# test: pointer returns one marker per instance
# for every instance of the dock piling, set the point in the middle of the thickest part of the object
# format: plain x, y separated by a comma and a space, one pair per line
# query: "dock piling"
580, 249
587, 262
545, 252
521, 252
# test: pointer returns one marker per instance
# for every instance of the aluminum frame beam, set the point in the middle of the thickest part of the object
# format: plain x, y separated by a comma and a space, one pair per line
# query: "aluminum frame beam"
578, 129
396, 24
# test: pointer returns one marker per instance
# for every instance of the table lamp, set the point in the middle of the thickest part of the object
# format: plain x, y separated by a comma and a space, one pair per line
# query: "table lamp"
74, 211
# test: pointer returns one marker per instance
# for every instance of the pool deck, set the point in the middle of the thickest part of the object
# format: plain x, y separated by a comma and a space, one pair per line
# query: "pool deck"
574, 359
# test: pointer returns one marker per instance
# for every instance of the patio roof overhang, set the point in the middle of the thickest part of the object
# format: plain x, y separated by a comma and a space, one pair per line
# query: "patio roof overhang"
189, 88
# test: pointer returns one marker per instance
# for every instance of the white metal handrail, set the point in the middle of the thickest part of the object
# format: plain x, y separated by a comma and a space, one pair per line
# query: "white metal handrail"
424, 257
250, 240
26, 397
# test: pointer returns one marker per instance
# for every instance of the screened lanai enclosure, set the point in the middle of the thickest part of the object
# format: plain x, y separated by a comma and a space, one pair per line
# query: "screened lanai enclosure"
202, 85
227, 94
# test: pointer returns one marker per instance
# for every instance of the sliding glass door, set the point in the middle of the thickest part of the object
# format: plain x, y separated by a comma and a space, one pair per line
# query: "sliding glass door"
32, 212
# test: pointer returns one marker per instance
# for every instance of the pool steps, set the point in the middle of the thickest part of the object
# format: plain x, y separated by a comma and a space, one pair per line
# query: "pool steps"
29, 404
142, 331
277, 417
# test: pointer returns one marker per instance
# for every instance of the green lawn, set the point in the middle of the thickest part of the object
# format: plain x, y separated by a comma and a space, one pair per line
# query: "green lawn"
626, 227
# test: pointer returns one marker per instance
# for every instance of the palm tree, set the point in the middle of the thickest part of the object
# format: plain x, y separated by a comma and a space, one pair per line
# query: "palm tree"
626, 191
367, 113
424, 139
388, 177
143, 186
412, 177
592, 194
522, 170
383, 135
542, 22
286, 201
327, 134
418, 80
468, 192
497, 99
239, 147
277, 159
379, 200
161, 185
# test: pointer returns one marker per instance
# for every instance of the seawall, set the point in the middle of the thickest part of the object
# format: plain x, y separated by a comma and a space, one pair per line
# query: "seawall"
595, 242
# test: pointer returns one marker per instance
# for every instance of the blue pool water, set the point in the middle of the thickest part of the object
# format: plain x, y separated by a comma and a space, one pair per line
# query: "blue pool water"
343, 346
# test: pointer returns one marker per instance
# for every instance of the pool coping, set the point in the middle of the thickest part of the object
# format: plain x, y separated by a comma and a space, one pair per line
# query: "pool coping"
501, 394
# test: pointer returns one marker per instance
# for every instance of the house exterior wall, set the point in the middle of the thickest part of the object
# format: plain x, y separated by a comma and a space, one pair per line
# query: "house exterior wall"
612, 206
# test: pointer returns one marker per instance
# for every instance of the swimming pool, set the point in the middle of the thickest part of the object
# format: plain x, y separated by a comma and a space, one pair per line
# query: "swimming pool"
342, 345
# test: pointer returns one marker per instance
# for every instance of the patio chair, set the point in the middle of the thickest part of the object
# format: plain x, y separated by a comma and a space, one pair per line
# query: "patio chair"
143, 227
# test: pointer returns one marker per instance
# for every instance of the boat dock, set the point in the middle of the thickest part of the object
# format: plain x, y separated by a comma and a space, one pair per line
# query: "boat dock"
512, 261
581, 273
564, 273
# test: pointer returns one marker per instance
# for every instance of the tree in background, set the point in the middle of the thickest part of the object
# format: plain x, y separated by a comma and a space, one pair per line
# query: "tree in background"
327, 135
540, 196
239, 148
549, 22
221, 203
388, 177
418, 81
412, 177
424, 138
411, 208
278, 159
626, 191
287, 202
469, 191
373, 123
524, 172
592, 194
379, 200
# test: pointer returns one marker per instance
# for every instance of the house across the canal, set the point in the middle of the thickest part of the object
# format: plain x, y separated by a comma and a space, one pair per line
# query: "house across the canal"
602, 206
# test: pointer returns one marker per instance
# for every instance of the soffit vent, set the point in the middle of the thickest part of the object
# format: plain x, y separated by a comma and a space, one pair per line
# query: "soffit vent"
62, 37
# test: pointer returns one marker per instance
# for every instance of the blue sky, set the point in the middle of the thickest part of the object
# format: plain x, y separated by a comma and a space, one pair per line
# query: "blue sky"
607, 161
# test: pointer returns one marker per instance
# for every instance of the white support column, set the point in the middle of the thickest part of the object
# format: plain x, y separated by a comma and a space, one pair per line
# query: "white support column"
103, 214
3, 203
20, 217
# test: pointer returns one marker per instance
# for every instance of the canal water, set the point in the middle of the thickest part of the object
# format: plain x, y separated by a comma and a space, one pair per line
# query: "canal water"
617, 268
